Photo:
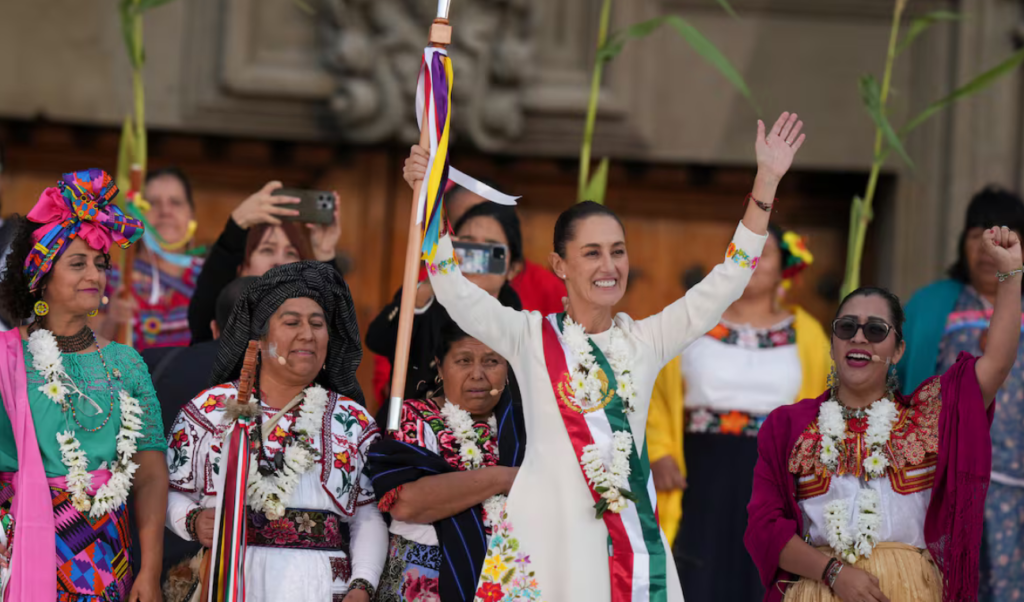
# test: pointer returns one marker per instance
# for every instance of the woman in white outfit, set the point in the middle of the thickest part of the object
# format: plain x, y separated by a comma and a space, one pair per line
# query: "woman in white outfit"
580, 522
313, 530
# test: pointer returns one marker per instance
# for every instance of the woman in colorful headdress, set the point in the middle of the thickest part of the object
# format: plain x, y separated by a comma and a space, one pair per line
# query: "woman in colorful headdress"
164, 273
762, 354
80, 423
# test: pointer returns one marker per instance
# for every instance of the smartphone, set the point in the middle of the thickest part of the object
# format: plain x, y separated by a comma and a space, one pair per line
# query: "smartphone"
481, 257
315, 206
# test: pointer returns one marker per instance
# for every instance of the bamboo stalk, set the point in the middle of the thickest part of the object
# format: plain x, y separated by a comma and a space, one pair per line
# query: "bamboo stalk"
595, 92
862, 215
440, 36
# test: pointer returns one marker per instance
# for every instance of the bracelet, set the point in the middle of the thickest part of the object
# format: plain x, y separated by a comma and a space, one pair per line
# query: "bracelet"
833, 573
828, 567
362, 584
190, 522
767, 207
1004, 276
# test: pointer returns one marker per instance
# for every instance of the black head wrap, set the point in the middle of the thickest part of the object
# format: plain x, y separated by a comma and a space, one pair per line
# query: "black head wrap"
264, 296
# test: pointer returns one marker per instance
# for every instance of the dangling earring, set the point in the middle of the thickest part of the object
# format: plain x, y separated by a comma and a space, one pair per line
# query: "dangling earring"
94, 313
41, 308
893, 382
833, 380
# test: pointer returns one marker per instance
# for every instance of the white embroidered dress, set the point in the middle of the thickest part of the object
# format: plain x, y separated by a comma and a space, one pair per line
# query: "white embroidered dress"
561, 548
336, 484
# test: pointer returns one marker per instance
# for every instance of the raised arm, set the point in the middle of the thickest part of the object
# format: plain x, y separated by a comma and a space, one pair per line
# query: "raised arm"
473, 309
992, 368
693, 315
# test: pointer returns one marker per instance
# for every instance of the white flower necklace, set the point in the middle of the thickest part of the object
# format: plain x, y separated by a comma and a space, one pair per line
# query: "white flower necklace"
862, 541
612, 484
47, 360
460, 423
585, 382
271, 494
882, 416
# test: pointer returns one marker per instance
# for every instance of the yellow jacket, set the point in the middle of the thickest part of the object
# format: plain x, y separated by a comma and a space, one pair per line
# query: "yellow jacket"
665, 420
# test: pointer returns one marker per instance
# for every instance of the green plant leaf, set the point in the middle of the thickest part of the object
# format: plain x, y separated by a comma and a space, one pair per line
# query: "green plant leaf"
871, 96
704, 47
126, 10
921, 24
974, 86
125, 152
145, 5
598, 186
728, 8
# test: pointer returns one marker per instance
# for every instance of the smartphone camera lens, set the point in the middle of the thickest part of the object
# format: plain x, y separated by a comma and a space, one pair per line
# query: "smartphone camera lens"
499, 253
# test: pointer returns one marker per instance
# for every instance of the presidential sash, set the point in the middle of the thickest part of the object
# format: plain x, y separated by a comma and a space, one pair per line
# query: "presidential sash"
637, 561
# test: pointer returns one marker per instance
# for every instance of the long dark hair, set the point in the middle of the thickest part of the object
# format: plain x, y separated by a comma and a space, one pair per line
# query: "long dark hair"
565, 227
992, 206
16, 300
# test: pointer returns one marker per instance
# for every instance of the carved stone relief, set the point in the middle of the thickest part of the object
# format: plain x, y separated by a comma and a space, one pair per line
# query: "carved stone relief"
374, 49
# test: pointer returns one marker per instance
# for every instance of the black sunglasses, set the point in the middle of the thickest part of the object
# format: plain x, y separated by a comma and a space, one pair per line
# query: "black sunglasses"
846, 328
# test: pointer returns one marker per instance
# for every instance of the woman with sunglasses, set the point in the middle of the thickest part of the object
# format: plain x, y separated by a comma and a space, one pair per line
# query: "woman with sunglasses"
867, 495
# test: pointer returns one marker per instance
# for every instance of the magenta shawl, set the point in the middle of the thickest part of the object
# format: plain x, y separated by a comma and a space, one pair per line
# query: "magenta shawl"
955, 515
33, 568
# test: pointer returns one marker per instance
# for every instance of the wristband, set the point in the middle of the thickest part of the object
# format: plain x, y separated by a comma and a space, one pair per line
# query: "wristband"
1004, 276
832, 573
362, 584
766, 207
190, 522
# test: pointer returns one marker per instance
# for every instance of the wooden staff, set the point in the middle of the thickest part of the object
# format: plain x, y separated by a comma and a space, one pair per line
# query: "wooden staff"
245, 384
124, 331
440, 37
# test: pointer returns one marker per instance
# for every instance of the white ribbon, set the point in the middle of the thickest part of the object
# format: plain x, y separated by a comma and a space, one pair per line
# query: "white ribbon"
454, 175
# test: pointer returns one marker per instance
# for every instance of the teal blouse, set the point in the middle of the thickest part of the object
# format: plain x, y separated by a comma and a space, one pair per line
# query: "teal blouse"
86, 370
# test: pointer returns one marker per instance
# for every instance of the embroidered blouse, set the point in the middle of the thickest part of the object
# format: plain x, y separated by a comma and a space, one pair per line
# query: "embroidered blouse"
126, 371
766, 358
336, 484
905, 490
423, 425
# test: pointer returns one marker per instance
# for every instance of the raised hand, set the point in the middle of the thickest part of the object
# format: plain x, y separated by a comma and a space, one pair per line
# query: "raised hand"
262, 207
416, 165
1003, 246
775, 151
324, 237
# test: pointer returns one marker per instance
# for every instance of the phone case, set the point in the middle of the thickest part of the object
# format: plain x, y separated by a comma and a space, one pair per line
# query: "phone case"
481, 258
315, 206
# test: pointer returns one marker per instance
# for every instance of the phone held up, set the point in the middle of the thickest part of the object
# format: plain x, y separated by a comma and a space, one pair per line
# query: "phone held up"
481, 257
315, 206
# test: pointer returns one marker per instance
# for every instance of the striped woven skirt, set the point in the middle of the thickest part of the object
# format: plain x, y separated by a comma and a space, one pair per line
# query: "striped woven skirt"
93, 556
905, 574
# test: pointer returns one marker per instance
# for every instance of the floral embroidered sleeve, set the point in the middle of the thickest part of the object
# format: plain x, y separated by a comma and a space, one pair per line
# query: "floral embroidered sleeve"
189, 464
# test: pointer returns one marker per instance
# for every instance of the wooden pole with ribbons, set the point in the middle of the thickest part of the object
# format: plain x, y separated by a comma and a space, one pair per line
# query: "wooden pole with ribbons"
440, 37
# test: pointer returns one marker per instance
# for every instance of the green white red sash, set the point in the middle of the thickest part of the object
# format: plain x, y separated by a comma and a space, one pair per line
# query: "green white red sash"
636, 557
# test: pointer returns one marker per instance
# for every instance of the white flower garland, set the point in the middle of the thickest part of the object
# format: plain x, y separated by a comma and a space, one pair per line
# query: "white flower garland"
860, 543
47, 360
882, 416
611, 484
460, 423
584, 381
271, 494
